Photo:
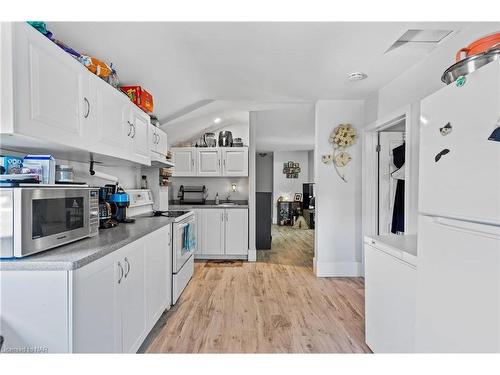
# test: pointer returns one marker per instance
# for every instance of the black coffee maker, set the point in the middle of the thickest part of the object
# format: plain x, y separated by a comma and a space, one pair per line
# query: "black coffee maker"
119, 202
105, 213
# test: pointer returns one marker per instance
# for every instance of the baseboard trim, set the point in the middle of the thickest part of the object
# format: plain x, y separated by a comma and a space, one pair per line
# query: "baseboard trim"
252, 255
338, 269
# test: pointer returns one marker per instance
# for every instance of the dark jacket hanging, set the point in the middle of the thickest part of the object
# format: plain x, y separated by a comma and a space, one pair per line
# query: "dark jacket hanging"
398, 213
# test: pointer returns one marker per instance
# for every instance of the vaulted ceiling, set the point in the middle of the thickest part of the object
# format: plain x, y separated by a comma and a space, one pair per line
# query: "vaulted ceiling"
189, 65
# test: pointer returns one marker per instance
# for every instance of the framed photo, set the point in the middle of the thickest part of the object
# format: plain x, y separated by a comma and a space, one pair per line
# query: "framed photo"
297, 197
290, 164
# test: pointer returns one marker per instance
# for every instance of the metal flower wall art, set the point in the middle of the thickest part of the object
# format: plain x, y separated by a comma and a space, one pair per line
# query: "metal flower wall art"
342, 137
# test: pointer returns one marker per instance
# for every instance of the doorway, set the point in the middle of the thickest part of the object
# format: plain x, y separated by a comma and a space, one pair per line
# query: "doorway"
391, 179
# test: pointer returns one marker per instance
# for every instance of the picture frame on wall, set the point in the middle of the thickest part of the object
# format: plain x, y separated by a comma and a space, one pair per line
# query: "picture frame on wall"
297, 197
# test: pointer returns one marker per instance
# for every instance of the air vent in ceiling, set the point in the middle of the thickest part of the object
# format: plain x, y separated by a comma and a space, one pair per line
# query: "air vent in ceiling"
420, 36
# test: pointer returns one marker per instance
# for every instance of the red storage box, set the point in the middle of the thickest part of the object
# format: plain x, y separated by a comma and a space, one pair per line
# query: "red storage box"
139, 96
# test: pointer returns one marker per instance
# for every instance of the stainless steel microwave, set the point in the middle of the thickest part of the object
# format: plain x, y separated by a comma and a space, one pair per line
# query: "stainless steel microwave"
35, 219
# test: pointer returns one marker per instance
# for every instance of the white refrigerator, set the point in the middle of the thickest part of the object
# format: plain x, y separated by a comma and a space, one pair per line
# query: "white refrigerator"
458, 282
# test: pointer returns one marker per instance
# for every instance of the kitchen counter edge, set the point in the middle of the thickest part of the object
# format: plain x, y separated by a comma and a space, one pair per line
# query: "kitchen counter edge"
80, 253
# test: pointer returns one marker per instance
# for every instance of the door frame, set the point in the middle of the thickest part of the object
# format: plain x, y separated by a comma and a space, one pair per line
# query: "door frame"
411, 115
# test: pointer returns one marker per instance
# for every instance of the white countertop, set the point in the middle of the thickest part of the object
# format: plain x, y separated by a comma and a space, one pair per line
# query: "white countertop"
403, 247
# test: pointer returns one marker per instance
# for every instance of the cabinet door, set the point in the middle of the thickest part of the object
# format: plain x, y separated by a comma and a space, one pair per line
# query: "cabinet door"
96, 318
109, 111
51, 89
152, 137
235, 161
140, 130
199, 228
209, 162
161, 142
132, 297
390, 302
184, 161
212, 231
236, 233
158, 255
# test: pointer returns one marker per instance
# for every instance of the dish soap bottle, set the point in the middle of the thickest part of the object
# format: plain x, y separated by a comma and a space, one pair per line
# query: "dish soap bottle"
217, 198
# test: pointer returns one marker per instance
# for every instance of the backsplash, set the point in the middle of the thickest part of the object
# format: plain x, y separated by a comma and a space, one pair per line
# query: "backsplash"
128, 177
222, 185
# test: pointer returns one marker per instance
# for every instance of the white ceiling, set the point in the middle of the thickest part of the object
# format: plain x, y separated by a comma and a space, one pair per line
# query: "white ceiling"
223, 69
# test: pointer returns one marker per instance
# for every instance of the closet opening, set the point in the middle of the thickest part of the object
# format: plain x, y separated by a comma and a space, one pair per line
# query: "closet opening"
391, 204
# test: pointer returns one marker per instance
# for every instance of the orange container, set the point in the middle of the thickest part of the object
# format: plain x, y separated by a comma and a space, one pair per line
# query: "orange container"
141, 98
479, 46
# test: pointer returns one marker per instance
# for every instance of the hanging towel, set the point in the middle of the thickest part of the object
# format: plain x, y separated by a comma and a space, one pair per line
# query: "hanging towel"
189, 238
398, 213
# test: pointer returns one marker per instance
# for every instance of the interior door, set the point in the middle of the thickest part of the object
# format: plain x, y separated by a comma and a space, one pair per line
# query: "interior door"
387, 185
133, 297
209, 162
184, 162
458, 286
51, 89
236, 233
459, 169
235, 161
212, 231
140, 144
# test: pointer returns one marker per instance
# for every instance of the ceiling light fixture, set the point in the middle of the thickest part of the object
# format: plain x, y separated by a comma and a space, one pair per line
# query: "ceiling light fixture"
357, 76
217, 120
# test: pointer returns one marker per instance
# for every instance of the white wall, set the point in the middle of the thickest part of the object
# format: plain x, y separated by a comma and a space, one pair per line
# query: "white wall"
310, 165
424, 78
287, 187
264, 172
222, 185
287, 129
338, 239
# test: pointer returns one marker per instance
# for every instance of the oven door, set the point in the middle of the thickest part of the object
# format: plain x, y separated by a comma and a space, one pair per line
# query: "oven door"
49, 218
181, 250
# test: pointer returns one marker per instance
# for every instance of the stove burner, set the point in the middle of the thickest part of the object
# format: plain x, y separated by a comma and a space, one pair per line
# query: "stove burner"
170, 213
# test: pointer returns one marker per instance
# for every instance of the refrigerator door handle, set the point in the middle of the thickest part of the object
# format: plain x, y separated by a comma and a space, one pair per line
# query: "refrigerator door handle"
469, 227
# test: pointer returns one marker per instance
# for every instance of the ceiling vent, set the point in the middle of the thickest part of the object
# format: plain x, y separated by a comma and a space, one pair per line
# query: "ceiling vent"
432, 37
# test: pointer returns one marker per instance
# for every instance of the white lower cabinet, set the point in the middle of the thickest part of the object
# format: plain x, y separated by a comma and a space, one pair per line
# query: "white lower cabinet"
224, 233
390, 302
236, 233
107, 306
132, 297
212, 232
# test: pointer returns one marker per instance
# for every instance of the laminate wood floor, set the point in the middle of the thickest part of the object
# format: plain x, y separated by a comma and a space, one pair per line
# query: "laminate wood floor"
275, 305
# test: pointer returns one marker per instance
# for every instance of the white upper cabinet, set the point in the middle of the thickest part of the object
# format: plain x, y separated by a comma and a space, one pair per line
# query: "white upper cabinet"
157, 140
109, 112
139, 122
235, 161
56, 103
185, 161
51, 89
209, 162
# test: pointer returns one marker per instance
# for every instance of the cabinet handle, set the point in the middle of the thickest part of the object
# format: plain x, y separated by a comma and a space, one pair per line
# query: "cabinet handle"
154, 139
88, 107
128, 267
192, 162
227, 216
121, 273
222, 216
129, 128
157, 138
133, 134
